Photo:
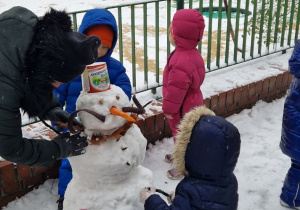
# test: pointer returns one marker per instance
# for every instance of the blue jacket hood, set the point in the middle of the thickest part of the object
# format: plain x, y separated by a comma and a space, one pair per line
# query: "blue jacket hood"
100, 17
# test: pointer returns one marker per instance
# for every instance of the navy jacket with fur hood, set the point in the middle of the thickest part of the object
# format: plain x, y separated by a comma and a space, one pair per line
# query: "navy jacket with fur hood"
206, 152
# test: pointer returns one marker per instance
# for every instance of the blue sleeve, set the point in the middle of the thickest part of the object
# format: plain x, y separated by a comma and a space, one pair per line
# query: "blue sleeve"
61, 93
122, 81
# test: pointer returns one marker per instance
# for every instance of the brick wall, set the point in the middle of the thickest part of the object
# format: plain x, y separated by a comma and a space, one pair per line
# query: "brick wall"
224, 104
16, 180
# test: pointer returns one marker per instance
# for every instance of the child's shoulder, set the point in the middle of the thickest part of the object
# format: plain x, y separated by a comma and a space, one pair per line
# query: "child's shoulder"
114, 62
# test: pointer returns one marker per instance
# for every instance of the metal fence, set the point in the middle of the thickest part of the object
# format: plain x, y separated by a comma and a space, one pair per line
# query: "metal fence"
236, 31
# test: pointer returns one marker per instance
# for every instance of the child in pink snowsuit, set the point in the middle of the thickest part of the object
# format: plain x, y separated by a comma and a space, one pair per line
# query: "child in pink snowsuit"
184, 72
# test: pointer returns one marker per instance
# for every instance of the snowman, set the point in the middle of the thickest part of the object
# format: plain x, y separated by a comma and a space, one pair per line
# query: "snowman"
109, 176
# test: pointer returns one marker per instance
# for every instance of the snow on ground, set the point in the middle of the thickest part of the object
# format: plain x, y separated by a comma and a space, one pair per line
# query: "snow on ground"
260, 170
261, 167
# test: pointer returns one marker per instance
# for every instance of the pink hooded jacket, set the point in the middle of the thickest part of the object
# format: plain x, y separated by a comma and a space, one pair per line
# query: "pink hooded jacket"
185, 69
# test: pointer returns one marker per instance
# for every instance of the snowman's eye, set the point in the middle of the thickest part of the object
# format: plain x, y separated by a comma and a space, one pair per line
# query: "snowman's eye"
117, 97
101, 101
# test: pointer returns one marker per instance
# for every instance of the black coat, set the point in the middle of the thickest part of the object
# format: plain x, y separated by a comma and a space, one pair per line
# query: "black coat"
23, 85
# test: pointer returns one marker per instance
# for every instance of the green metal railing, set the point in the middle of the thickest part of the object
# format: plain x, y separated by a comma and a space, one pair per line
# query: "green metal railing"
227, 41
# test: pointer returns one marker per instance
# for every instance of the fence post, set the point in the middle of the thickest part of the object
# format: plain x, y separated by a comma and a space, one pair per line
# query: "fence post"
180, 4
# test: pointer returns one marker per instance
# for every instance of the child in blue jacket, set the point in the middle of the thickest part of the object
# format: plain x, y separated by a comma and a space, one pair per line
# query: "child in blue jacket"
101, 23
206, 152
290, 135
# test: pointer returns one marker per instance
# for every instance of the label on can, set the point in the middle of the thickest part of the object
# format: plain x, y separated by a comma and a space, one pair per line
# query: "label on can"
95, 78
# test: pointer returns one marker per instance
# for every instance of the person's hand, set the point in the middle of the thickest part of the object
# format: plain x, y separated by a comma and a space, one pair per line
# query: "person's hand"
58, 115
146, 192
70, 145
172, 196
169, 116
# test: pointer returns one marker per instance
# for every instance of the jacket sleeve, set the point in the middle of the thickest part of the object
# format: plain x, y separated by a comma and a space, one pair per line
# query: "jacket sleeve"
122, 80
178, 84
155, 202
61, 93
118, 76
13, 147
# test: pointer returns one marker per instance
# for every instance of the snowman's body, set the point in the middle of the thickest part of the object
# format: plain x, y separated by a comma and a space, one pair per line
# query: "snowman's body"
109, 176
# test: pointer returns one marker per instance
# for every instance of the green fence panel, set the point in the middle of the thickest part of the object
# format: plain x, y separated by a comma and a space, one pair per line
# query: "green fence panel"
219, 31
237, 27
245, 30
208, 61
200, 10
292, 13
133, 46
253, 29
120, 34
145, 13
228, 32
269, 13
276, 31
284, 23
261, 27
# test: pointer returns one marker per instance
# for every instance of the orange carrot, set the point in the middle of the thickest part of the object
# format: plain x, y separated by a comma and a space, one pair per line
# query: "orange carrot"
115, 111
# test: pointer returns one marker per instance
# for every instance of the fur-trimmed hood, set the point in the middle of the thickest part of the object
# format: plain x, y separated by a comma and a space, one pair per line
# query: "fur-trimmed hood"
207, 146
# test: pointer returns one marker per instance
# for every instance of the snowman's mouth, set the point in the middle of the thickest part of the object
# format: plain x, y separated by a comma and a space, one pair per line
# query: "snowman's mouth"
95, 140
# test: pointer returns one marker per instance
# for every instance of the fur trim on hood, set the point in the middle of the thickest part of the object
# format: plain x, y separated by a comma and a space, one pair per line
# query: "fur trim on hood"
184, 135
44, 54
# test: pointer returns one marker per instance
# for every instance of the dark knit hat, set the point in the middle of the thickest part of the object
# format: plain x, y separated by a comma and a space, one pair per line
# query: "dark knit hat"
80, 51
58, 53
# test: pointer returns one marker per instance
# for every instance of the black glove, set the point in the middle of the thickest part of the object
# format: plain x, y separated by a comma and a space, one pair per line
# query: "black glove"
70, 145
58, 115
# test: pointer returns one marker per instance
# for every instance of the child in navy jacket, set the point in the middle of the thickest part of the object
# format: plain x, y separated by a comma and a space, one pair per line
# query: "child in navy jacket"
206, 152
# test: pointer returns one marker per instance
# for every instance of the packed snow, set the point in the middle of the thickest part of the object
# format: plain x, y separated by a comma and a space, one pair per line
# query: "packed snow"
261, 167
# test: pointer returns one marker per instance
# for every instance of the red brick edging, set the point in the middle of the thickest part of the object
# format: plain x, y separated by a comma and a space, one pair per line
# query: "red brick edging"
224, 104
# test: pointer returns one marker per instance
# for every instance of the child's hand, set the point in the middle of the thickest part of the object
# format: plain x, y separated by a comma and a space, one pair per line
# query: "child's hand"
169, 116
172, 196
146, 192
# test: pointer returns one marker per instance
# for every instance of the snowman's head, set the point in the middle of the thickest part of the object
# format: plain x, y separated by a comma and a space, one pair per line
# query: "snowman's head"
109, 104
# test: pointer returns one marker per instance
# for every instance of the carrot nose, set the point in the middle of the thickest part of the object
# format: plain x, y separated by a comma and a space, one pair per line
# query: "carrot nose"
115, 111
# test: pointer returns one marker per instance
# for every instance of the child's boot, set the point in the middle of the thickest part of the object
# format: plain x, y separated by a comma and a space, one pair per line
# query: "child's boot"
60, 202
290, 195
